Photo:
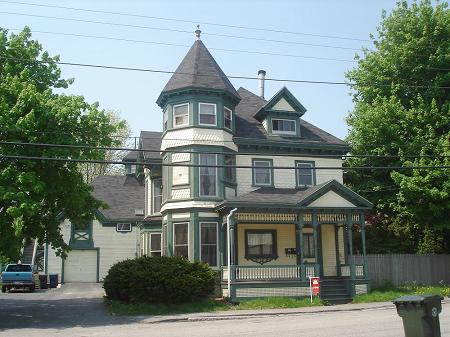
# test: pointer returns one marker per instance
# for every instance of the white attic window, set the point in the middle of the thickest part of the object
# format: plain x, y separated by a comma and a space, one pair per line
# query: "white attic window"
123, 227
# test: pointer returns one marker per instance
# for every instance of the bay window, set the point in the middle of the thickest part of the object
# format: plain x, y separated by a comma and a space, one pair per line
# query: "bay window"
181, 114
208, 243
181, 239
207, 114
207, 175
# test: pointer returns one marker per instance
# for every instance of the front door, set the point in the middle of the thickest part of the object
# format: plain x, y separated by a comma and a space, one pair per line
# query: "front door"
329, 266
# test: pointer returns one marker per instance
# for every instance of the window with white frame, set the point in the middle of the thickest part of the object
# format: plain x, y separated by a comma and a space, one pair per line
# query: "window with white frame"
208, 243
165, 174
155, 244
207, 175
181, 114
156, 195
207, 113
228, 118
305, 173
181, 239
284, 126
123, 227
262, 172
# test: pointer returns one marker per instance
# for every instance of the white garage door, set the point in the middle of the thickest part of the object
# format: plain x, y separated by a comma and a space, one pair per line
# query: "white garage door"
81, 266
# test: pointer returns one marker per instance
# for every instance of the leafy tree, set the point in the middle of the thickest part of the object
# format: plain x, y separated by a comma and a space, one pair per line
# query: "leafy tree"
92, 170
34, 192
402, 108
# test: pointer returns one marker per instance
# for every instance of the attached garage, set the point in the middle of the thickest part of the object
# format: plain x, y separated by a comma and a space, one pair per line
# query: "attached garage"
81, 266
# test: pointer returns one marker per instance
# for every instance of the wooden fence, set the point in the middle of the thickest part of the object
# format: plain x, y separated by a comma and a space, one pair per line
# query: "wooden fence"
407, 268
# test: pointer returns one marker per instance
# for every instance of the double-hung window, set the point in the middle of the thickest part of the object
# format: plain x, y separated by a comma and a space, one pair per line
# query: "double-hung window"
308, 245
181, 239
284, 126
208, 243
207, 113
151, 244
227, 118
165, 119
305, 173
156, 195
261, 244
262, 172
207, 175
229, 169
181, 114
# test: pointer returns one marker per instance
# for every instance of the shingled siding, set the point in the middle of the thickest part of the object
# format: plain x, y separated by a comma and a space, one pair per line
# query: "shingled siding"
407, 269
285, 178
197, 136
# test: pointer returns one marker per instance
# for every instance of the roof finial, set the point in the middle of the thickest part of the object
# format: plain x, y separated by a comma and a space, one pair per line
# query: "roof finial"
198, 32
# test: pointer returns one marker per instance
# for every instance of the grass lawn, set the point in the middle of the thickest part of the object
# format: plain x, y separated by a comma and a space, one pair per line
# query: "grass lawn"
119, 308
390, 293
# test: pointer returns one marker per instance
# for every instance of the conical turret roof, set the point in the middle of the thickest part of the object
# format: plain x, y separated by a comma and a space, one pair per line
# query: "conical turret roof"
199, 70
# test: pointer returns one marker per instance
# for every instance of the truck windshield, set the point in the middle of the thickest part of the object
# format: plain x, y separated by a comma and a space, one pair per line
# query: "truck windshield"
18, 268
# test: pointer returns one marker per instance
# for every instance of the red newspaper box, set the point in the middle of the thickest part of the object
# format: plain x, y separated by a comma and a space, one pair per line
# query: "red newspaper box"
315, 285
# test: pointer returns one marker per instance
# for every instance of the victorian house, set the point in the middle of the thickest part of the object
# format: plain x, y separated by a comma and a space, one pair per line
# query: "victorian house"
235, 180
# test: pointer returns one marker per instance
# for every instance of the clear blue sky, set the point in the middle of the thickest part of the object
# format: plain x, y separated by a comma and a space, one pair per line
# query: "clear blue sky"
134, 94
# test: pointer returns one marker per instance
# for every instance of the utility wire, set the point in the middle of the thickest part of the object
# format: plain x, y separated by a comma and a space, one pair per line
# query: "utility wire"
100, 66
188, 21
117, 162
181, 31
278, 154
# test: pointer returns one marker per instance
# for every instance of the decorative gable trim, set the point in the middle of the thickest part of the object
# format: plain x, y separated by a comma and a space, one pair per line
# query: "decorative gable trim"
353, 199
283, 101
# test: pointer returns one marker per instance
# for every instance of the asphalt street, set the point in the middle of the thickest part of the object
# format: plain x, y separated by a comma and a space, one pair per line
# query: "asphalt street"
78, 310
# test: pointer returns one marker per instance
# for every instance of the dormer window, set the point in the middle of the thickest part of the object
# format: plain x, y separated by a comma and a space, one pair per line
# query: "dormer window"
181, 115
284, 126
207, 114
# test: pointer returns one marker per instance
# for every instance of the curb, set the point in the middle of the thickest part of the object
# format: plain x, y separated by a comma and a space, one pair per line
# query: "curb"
227, 316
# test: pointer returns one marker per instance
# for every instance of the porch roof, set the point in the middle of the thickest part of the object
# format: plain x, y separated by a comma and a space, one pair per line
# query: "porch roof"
294, 199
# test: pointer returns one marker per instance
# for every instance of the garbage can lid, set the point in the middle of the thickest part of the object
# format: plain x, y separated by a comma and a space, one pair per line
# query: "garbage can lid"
418, 298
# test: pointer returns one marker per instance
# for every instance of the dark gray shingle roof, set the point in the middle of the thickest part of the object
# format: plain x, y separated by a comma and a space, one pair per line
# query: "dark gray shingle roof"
151, 140
123, 194
199, 69
271, 195
248, 127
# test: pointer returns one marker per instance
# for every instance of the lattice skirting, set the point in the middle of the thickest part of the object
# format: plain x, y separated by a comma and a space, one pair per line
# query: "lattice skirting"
270, 292
360, 289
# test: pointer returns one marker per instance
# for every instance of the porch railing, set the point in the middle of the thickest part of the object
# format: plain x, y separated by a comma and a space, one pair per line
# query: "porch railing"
346, 270
267, 272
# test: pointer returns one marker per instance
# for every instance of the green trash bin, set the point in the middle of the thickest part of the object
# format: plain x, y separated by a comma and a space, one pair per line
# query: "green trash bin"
420, 315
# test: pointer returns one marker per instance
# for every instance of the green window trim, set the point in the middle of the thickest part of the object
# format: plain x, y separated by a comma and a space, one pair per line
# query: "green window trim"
261, 258
269, 167
225, 119
297, 173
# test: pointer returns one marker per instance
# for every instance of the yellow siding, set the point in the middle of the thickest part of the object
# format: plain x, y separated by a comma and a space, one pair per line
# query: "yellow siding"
114, 246
328, 250
285, 239
54, 263
285, 178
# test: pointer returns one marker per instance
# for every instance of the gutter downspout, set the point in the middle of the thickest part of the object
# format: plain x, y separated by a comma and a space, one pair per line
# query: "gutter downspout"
229, 250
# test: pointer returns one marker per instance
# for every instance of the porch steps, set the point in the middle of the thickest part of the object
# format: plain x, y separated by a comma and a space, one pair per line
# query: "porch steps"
334, 291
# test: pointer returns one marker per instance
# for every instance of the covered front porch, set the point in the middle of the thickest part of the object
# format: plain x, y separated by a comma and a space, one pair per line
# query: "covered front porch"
275, 250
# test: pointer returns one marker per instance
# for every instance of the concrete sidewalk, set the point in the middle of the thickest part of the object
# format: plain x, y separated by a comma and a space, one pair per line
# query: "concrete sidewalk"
245, 314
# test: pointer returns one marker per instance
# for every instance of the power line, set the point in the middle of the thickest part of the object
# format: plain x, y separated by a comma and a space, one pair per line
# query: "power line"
188, 46
88, 147
116, 162
181, 31
189, 21
99, 66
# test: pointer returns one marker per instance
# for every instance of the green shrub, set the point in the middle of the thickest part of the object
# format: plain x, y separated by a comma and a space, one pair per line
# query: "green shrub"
159, 280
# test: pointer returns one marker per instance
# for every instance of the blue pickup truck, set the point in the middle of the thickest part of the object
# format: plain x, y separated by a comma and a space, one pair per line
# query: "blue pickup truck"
17, 276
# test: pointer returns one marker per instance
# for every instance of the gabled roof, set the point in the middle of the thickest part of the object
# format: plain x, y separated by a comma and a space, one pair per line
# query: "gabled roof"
199, 70
291, 198
123, 195
288, 96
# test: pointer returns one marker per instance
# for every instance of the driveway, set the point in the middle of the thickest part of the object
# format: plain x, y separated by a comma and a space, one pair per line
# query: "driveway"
72, 305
